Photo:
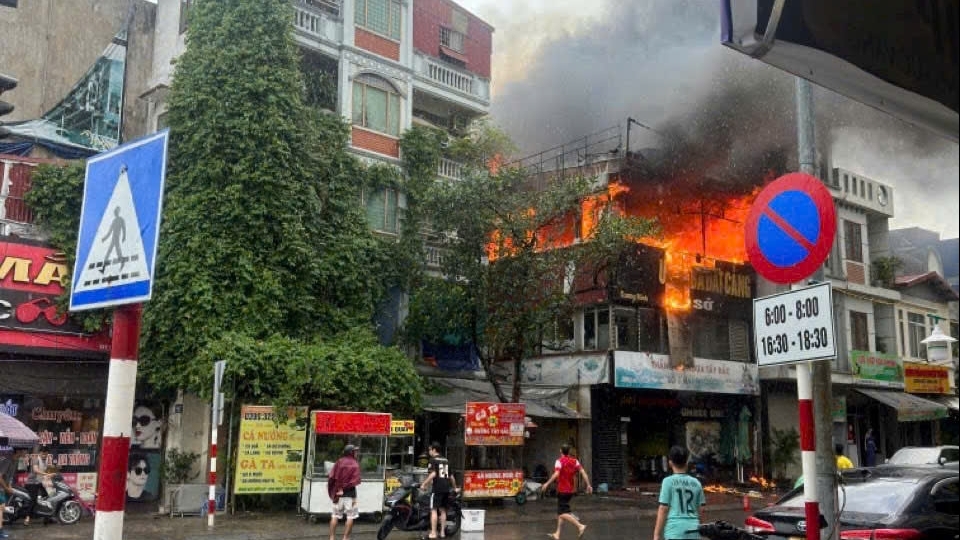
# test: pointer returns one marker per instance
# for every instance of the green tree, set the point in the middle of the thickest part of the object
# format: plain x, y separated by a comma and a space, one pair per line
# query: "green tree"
503, 271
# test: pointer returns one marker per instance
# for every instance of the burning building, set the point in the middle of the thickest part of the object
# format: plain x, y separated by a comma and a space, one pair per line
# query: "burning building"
670, 322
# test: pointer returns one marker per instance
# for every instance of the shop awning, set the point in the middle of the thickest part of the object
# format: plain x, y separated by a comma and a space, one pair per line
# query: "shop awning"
910, 408
455, 393
951, 402
14, 433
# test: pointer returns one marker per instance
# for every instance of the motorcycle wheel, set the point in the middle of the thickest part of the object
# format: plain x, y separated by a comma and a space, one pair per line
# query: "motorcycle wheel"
385, 527
69, 512
453, 525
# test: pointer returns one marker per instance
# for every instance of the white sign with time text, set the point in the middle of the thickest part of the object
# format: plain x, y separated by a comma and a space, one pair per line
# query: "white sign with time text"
794, 326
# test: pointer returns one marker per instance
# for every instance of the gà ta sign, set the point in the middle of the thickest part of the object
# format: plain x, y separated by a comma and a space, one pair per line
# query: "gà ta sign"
31, 278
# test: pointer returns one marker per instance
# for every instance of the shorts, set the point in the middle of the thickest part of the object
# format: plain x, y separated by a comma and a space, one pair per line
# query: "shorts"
563, 503
346, 507
440, 500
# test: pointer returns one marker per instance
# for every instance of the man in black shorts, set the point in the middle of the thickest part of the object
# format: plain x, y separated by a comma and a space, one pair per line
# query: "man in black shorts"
444, 487
565, 472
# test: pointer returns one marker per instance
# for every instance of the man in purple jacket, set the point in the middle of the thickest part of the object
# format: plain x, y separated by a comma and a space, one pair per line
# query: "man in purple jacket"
342, 489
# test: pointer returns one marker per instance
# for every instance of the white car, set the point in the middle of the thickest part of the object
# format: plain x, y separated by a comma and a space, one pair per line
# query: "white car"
925, 455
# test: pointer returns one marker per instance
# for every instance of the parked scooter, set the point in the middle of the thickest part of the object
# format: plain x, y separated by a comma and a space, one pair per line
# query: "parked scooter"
409, 510
62, 506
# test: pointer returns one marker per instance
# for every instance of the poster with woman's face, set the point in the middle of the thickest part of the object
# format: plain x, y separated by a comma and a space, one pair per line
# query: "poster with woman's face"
143, 476
147, 429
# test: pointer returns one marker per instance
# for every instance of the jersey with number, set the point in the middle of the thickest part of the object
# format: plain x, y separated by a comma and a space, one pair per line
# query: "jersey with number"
441, 480
684, 495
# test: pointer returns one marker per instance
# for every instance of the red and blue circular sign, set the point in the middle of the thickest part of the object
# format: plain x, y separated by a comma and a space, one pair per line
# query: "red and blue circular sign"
790, 228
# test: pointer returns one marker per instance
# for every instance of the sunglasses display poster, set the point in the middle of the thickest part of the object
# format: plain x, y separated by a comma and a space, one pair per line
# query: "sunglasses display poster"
270, 451
143, 465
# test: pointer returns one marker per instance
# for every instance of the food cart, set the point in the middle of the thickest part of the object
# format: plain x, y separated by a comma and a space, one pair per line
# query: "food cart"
493, 444
400, 458
330, 432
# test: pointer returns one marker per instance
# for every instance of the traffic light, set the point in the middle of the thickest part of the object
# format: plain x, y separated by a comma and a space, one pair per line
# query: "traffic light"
6, 83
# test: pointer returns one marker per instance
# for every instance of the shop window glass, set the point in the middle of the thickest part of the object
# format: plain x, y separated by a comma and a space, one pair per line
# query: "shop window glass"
625, 321
651, 332
917, 332
711, 338
596, 329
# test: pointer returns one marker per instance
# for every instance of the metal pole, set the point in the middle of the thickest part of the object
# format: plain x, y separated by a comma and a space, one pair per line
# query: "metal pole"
825, 466
214, 424
808, 448
115, 451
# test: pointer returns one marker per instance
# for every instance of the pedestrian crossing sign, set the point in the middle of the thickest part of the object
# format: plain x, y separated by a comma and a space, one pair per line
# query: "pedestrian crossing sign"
120, 224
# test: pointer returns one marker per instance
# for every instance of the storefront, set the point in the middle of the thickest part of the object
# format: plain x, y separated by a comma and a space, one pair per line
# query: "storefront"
54, 374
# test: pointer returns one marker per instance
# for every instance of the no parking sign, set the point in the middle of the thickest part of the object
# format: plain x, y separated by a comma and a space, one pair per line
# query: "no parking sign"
790, 228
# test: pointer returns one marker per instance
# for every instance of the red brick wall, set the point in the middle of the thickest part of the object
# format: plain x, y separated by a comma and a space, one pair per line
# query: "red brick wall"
376, 44
375, 142
429, 15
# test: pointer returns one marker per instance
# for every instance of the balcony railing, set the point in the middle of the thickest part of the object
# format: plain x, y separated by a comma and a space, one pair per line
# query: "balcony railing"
433, 256
450, 169
319, 19
451, 78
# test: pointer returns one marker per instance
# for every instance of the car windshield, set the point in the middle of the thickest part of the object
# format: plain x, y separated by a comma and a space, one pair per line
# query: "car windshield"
916, 456
878, 496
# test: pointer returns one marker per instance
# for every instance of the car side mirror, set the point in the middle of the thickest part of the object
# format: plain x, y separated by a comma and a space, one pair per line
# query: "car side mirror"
941, 460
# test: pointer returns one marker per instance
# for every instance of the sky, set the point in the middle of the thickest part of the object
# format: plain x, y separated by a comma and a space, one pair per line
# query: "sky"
566, 68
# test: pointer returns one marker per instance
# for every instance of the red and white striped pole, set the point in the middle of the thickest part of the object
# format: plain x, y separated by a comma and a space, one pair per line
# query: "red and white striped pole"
808, 450
212, 500
117, 425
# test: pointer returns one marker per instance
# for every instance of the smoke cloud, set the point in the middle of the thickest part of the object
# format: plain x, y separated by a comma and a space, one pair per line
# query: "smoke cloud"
710, 108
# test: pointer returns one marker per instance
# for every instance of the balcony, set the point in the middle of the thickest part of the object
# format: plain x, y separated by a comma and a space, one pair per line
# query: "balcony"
449, 169
318, 20
451, 79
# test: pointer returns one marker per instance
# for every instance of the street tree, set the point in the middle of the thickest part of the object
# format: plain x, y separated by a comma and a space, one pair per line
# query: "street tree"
505, 263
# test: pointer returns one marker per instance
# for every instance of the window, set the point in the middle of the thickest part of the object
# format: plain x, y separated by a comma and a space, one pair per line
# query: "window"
162, 121
376, 105
859, 332
711, 337
596, 329
916, 332
625, 321
558, 336
651, 326
184, 14
382, 210
451, 39
380, 16
8, 3
903, 334
852, 241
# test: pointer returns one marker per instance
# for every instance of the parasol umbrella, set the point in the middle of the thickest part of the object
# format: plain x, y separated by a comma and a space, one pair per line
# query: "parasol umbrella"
14, 433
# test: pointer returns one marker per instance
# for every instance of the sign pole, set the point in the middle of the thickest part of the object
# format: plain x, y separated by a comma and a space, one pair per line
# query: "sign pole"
115, 451
215, 419
808, 450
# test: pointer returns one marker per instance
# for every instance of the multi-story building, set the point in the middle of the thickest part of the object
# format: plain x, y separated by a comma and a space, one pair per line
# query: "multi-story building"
879, 321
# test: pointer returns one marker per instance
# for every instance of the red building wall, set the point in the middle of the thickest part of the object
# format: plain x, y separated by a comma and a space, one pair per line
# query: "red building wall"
429, 15
376, 44
375, 142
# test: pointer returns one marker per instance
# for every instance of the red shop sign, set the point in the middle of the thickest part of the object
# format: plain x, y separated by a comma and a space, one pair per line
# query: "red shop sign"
351, 423
492, 483
494, 424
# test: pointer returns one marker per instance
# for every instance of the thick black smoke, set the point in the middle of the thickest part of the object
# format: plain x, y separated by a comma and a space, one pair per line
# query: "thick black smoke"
661, 62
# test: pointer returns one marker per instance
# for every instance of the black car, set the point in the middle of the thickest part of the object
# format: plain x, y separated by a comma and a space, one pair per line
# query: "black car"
887, 503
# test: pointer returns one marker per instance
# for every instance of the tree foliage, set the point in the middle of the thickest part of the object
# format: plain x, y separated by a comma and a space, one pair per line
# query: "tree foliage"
503, 268
263, 247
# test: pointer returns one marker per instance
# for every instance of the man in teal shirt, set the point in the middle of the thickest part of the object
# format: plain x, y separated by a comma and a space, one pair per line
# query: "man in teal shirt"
681, 501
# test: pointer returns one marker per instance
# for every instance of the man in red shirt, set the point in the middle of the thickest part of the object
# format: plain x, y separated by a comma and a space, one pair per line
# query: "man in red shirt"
564, 472
342, 489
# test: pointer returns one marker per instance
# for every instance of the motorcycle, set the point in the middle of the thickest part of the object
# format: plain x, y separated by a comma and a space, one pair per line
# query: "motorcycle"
62, 506
407, 509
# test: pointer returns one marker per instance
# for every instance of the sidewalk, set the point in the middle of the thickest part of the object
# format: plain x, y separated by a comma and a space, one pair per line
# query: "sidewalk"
290, 526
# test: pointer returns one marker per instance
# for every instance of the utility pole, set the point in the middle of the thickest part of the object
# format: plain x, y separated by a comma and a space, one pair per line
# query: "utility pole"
819, 371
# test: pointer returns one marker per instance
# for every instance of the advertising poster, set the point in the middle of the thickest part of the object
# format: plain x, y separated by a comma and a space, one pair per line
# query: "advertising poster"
926, 379
143, 476
494, 424
270, 453
877, 368
492, 483
644, 370
84, 484
351, 423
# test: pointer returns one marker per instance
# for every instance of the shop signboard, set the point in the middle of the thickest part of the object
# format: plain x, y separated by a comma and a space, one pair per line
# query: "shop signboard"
493, 484
559, 370
725, 290
30, 281
351, 423
494, 424
270, 452
402, 428
640, 278
878, 369
654, 371
925, 378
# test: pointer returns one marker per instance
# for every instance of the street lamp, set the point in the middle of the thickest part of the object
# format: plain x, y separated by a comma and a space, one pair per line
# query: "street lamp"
938, 346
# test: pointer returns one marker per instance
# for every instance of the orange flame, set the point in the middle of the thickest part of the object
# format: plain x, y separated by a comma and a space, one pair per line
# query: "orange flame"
763, 482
